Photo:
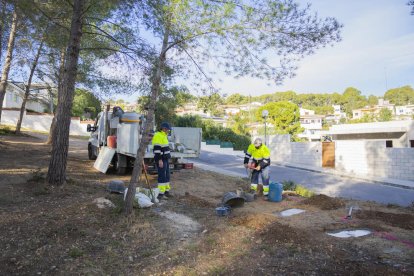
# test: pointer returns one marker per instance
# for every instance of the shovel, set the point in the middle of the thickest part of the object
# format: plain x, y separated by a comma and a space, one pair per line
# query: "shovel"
148, 184
248, 173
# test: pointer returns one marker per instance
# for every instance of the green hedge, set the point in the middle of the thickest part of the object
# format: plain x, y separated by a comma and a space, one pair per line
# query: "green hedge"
211, 131
226, 144
214, 132
213, 142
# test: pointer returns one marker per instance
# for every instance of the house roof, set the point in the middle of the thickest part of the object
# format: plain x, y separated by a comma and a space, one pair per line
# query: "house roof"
360, 131
377, 127
312, 116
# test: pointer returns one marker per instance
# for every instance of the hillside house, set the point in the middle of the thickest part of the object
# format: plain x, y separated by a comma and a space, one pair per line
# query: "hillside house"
405, 111
40, 99
398, 134
250, 106
337, 115
311, 123
373, 110
231, 109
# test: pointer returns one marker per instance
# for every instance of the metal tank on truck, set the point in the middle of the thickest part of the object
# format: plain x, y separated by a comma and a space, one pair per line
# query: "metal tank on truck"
115, 138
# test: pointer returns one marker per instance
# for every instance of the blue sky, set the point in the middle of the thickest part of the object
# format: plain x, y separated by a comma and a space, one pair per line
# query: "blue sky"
376, 52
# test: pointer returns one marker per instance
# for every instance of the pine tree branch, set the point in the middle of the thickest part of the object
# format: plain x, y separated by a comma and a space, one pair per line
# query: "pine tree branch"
200, 69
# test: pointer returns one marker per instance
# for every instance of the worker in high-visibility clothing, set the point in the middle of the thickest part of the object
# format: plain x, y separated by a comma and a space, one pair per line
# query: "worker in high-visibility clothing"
162, 154
260, 161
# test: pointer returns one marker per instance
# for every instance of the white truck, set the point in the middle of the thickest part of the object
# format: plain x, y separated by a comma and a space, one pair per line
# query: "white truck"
115, 138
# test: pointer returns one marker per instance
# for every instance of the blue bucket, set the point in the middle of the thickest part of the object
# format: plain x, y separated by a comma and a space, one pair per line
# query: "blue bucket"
275, 192
223, 211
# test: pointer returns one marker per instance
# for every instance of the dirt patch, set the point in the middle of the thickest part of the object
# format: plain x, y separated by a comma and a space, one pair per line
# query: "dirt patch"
253, 221
195, 201
280, 233
61, 230
405, 221
324, 202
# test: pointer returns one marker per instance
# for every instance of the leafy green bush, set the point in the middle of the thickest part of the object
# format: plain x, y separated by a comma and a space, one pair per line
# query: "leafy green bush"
288, 185
211, 131
302, 191
5, 130
214, 132
188, 121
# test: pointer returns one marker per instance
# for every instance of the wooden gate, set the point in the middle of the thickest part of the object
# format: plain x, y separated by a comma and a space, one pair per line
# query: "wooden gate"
328, 154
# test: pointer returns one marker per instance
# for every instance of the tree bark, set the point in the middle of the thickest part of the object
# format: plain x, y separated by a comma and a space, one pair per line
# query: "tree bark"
136, 172
29, 84
56, 174
60, 80
3, 17
9, 57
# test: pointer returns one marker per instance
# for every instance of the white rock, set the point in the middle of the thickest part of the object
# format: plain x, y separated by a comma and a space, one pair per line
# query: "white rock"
103, 203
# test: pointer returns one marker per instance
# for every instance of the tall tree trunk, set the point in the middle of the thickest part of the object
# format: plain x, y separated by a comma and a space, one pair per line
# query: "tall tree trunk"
56, 174
136, 172
60, 80
29, 84
7, 64
2, 20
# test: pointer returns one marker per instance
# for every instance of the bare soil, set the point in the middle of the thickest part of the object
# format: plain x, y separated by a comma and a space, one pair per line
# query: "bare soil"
48, 230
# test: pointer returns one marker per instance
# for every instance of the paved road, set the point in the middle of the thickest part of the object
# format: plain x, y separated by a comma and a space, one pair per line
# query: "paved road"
331, 185
321, 183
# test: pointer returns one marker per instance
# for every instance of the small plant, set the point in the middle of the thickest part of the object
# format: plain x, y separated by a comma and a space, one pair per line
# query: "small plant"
5, 130
217, 270
212, 241
41, 190
37, 176
192, 247
289, 185
392, 205
302, 191
119, 204
75, 252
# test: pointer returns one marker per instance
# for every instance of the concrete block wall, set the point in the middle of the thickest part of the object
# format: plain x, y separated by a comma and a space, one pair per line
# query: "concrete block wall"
352, 157
372, 158
359, 157
309, 154
41, 122
284, 151
403, 163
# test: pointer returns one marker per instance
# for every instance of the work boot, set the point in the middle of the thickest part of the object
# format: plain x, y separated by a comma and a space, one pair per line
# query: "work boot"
160, 196
168, 194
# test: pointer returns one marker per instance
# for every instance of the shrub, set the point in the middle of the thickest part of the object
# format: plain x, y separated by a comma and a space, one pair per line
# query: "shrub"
211, 131
214, 132
288, 185
302, 191
5, 130
188, 121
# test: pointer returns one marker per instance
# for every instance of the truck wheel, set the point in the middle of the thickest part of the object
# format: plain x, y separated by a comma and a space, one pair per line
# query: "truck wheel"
120, 170
91, 152
120, 167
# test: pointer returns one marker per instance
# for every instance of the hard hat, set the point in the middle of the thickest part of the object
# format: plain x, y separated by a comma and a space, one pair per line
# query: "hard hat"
165, 125
258, 142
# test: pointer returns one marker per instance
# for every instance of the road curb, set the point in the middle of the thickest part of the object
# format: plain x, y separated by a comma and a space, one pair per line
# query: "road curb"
342, 174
